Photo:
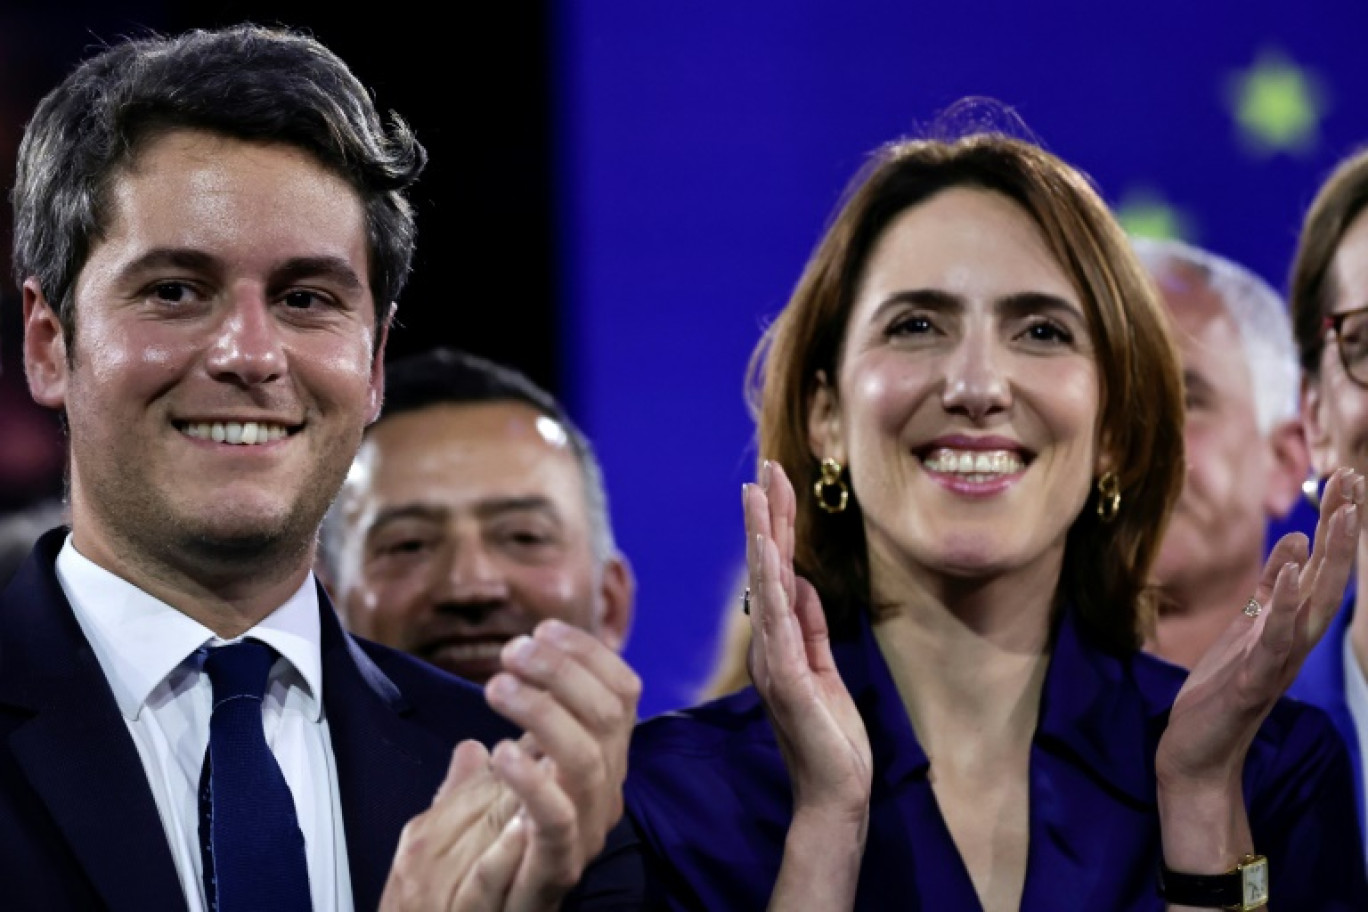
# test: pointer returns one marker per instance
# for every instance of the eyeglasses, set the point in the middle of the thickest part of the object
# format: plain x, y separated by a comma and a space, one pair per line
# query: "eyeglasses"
1351, 338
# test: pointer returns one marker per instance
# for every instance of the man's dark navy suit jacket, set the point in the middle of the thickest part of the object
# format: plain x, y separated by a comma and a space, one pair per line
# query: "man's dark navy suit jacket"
79, 829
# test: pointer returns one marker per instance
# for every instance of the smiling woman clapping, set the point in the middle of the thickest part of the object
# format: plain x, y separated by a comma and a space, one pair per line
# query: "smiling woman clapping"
975, 395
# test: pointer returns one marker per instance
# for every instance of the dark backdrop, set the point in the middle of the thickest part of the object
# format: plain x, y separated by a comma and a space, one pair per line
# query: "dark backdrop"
472, 80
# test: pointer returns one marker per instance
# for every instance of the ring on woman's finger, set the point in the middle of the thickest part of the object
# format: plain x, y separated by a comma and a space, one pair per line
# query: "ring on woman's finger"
745, 601
1252, 608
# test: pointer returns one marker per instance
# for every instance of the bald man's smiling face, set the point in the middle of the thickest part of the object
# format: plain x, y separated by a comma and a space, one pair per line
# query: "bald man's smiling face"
466, 525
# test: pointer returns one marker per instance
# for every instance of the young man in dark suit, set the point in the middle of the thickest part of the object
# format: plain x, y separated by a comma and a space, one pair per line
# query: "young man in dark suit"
210, 233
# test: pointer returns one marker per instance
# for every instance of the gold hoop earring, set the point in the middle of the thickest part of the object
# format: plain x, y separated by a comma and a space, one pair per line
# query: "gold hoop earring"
832, 493
1108, 497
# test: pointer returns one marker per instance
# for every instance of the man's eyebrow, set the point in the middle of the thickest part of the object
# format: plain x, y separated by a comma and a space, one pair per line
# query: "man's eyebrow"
426, 512
172, 257
532, 503
330, 268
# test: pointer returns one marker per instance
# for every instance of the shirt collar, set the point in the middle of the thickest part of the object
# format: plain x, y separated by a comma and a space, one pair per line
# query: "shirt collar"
139, 640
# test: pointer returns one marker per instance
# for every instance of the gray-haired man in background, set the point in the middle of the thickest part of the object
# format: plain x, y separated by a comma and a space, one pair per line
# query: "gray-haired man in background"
1246, 455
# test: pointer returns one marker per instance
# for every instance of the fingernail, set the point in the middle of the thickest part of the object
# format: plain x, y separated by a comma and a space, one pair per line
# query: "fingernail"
502, 687
1358, 489
765, 476
520, 649
555, 631
1351, 520
506, 753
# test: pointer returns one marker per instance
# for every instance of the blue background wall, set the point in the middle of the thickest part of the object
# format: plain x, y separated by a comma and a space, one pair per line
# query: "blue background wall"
701, 147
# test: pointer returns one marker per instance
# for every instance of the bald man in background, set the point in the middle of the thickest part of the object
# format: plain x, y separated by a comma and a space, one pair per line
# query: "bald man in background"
474, 510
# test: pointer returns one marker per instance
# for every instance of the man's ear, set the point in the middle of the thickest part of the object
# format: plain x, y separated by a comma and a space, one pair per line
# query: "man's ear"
45, 348
824, 422
1291, 460
1316, 427
617, 592
377, 379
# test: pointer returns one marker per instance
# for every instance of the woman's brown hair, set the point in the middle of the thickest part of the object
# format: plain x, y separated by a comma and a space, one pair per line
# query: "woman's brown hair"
1106, 565
1312, 294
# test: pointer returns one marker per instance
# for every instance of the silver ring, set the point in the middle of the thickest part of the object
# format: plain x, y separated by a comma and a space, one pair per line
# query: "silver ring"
745, 601
1252, 608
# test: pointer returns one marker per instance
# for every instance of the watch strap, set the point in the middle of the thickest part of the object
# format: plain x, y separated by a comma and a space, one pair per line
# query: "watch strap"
1202, 890
1220, 891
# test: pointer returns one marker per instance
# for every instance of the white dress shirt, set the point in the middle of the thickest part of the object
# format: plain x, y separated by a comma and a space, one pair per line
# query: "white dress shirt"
148, 652
1356, 694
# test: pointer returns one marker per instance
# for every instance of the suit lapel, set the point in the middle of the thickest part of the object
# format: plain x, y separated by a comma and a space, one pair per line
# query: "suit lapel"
75, 750
388, 769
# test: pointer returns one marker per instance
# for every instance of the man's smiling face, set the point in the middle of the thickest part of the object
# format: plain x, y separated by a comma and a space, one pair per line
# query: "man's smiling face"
224, 363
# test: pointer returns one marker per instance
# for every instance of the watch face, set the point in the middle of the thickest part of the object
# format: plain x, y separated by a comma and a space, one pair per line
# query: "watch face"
1255, 878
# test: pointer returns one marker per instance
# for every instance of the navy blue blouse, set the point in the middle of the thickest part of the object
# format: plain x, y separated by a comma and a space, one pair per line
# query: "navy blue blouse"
709, 795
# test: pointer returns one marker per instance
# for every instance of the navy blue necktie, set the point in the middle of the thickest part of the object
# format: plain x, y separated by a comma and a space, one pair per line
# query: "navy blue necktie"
250, 842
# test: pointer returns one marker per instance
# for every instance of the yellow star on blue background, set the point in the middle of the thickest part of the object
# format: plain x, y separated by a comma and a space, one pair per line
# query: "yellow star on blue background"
1277, 104
1145, 213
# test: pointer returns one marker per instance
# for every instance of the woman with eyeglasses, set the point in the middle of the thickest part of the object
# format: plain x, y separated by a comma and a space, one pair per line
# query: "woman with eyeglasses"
1329, 300
970, 430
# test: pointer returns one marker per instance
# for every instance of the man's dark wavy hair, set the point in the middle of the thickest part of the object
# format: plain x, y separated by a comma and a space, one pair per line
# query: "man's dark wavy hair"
249, 82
